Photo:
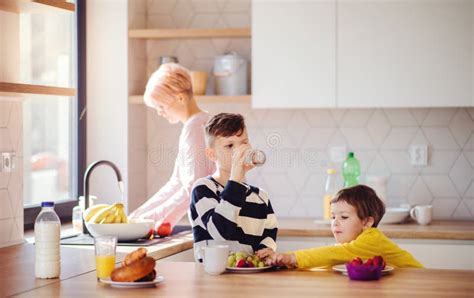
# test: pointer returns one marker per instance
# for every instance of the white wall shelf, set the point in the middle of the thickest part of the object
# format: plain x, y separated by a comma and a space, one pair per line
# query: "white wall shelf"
36, 6
244, 99
189, 33
17, 88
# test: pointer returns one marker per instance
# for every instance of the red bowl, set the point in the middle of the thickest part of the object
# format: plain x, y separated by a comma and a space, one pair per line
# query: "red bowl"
362, 272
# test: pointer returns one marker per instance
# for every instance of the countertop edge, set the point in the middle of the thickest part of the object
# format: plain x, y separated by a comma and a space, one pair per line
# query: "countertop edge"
434, 235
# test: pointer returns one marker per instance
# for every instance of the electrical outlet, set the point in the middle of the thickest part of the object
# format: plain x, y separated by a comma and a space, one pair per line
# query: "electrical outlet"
419, 155
6, 162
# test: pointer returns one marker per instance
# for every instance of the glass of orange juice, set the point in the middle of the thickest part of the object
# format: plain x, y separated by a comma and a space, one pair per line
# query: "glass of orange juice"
105, 255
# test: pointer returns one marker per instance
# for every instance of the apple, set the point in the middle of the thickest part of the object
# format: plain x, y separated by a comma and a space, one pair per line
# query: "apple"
164, 229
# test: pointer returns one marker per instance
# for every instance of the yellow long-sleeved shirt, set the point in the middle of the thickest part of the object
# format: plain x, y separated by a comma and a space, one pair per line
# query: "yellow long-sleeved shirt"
371, 242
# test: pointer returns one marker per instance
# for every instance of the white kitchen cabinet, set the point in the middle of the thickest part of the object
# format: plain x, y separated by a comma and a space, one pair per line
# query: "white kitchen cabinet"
293, 54
441, 254
405, 53
362, 53
285, 244
435, 254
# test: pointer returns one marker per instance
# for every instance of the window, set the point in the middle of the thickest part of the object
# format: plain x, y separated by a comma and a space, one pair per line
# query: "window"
49, 56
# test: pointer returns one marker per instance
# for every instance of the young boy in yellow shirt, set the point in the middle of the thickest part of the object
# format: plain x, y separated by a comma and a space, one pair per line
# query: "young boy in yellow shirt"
356, 212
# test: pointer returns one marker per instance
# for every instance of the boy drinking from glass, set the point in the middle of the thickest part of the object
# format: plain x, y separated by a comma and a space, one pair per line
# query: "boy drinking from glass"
224, 208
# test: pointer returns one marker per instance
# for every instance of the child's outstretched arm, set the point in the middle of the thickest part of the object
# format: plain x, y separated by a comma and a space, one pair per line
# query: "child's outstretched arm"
280, 259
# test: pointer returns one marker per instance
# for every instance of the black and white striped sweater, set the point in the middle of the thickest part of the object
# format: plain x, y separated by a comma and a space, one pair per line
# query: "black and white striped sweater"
237, 213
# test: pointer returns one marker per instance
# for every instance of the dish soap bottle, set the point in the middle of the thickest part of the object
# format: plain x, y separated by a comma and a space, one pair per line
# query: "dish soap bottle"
47, 235
351, 170
329, 192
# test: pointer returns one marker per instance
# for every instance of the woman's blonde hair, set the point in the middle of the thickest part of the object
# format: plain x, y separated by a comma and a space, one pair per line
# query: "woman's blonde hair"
169, 80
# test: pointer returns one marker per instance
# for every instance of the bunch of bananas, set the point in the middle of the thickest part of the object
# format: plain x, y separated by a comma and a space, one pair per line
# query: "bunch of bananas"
103, 213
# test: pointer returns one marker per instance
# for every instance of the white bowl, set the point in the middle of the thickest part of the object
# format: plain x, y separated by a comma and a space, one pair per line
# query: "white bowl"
133, 230
395, 215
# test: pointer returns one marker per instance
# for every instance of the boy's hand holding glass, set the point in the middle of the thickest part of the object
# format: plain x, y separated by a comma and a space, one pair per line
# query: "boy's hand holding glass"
239, 165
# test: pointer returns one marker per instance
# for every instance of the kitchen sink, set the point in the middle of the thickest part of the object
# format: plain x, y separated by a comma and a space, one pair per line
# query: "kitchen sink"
82, 239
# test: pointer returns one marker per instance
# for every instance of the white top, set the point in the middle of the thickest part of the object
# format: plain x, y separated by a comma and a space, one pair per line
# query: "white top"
172, 201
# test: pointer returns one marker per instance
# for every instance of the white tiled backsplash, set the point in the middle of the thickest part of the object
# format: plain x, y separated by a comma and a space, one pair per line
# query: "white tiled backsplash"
297, 142
11, 184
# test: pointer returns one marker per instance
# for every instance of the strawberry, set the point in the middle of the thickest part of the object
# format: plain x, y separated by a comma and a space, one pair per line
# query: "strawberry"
240, 263
356, 262
369, 262
378, 261
250, 264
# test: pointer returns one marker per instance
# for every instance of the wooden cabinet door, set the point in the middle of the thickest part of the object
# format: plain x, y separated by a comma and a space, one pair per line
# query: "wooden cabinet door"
293, 54
405, 53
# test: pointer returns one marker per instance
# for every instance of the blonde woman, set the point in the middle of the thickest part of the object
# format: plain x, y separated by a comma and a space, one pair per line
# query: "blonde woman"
169, 91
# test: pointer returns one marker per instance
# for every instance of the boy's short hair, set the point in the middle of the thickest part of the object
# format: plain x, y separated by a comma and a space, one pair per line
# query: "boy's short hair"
365, 200
223, 125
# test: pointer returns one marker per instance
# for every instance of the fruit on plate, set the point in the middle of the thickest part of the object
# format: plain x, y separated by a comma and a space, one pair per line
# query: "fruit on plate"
375, 261
164, 229
102, 214
371, 269
244, 260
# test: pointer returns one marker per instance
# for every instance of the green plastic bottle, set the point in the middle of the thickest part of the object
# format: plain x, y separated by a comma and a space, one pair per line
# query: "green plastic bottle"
351, 170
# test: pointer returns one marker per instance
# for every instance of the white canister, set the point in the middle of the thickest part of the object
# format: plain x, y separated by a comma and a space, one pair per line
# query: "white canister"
230, 72
379, 185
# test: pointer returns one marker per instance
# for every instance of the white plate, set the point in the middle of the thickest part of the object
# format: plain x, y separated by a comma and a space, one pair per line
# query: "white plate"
133, 284
247, 269
342, 268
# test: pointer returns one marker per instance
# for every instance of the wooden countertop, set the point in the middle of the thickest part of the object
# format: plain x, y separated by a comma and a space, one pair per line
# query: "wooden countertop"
190, 280
18, 262
17, 266
441, 230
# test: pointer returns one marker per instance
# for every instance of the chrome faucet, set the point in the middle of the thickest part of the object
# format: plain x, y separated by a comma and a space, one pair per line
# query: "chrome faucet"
87, 174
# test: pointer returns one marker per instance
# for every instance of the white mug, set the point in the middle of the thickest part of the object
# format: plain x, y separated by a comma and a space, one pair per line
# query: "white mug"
422, 214
215, 258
